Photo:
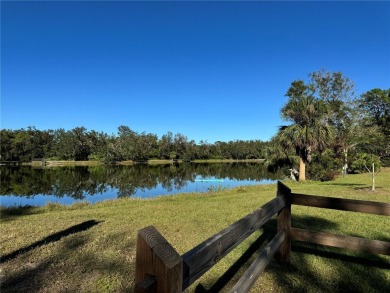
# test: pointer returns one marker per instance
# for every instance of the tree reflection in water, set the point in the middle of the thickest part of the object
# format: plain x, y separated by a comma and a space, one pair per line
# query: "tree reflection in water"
79, 181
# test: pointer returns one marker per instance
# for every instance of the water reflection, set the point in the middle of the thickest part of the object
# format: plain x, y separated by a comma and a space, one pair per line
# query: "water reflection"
81, 182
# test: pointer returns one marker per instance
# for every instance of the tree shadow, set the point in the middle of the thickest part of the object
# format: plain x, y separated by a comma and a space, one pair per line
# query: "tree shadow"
368, 188
367, 259
243, 262
9, 213
341, 271
346, 184
58, 267
237, 266
312, 223
302, 275
51, 238
327, 269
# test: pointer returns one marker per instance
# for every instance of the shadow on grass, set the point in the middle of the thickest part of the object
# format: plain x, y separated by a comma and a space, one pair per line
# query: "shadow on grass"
366, 259
232, 271
346, 184
368, 188
74, 264
9, 213
312, 223
51, 238
317, 268
243, 262
313, 268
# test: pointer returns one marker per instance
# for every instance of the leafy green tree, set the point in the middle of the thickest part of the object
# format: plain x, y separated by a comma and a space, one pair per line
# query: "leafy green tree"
146, 146
309, 130
81, 144
6, 145
376, 106
126, 144
180, 142
323, 113
338, 94
165, 146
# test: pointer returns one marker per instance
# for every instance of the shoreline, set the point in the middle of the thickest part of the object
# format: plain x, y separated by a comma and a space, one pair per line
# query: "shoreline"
60, 163
109, 241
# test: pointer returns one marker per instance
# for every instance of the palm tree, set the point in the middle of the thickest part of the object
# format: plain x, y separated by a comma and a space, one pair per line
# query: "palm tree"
309, 130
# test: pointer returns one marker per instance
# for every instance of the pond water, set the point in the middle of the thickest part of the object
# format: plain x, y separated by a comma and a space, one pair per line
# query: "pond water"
24, 185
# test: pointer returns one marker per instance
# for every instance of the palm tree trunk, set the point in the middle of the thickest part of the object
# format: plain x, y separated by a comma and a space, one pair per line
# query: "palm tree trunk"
302, 170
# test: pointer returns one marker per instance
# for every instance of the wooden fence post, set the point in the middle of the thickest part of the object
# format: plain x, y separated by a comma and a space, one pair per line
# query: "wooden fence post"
159, 268
284, 223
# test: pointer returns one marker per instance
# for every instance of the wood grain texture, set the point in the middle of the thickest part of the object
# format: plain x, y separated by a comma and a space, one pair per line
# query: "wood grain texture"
157, 259
204, 256
340, 241
284, 223
362, 206
259, 264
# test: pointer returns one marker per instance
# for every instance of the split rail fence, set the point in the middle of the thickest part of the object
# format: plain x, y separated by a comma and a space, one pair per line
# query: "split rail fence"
160, 268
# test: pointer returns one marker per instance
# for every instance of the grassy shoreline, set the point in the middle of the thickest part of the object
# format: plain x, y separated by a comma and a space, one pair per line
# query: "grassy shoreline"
101, 258
229, 161
54, 163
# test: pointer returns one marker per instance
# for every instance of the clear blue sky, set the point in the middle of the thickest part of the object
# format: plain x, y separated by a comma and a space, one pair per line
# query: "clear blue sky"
209, 70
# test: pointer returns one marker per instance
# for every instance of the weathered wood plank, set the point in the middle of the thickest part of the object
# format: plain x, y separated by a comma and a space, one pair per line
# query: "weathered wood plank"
202, 257
284, 223
157, 259
259, 264
347, 242
362, 206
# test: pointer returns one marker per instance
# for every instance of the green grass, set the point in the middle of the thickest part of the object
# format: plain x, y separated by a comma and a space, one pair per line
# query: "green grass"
229, 161
101, 257
72, 163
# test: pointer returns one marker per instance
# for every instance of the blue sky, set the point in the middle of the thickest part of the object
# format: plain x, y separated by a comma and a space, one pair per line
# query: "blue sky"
209, 70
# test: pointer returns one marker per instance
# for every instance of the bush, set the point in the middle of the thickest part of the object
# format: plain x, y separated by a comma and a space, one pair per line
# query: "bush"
324, 167
363, 161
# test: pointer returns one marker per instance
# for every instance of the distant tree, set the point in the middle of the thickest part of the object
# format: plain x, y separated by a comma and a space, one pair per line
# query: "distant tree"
180, 142
165, 146
146, 146
126, 144
98, 142
81, 144
376, 106
6, 145
63, 145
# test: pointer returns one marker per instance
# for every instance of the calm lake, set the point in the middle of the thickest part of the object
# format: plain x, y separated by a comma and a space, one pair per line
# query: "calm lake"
24, 185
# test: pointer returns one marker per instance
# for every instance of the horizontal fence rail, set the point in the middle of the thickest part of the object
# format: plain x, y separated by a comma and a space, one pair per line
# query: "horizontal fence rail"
352, 205
341, 241
159, 268
202, 257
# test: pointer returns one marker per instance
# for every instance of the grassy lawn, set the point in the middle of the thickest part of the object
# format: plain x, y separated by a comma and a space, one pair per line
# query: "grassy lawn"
99, 254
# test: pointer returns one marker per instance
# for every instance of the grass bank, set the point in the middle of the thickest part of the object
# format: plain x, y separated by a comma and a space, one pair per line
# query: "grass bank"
50, 163
229, 161
91, 248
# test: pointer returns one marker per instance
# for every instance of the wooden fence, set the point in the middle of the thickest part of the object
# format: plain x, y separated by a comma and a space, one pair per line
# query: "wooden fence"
159, 267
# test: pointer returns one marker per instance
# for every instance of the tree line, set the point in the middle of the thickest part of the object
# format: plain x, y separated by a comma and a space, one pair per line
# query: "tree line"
90, 180
80, 144
329, 129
